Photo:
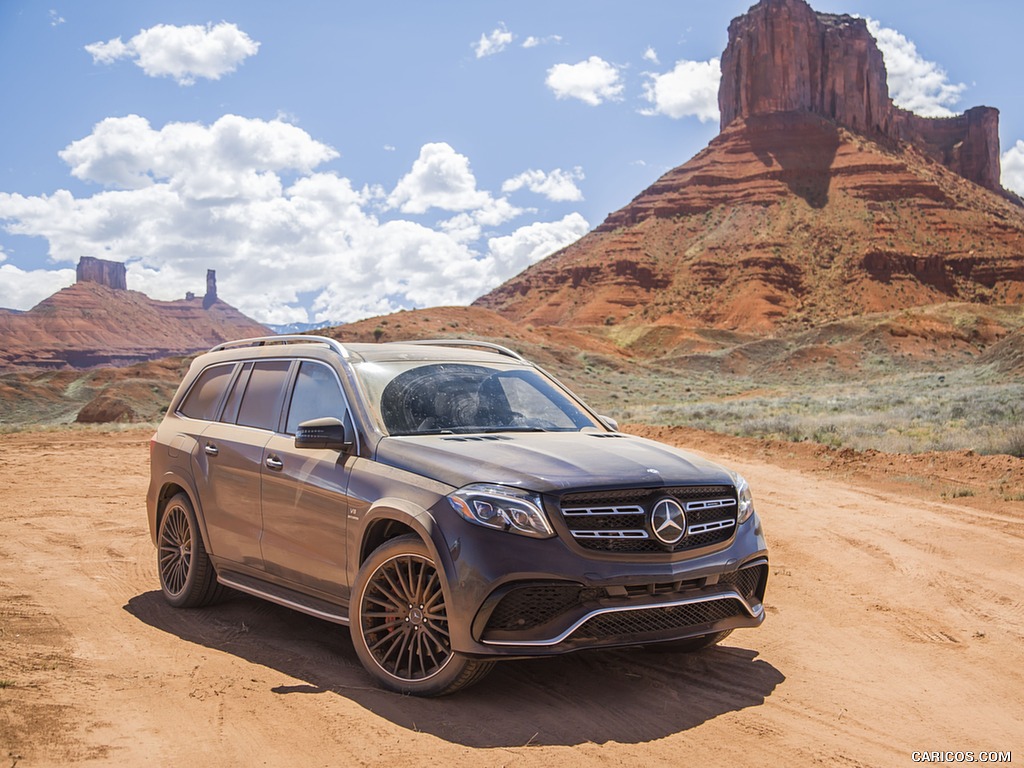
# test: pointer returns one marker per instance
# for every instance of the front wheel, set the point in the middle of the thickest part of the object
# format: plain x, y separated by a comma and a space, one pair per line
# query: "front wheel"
399, 622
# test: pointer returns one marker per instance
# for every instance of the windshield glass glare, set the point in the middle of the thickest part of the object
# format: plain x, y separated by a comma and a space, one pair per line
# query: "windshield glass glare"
411, 398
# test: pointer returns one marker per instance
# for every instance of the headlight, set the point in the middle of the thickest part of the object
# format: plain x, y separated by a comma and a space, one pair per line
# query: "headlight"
746, 501
503, 508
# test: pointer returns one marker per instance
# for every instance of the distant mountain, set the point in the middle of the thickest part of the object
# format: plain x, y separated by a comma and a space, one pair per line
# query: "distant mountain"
96, 321
298, 327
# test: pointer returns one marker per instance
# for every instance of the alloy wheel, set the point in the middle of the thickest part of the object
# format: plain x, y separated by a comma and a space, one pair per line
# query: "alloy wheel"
404, 620
175, 549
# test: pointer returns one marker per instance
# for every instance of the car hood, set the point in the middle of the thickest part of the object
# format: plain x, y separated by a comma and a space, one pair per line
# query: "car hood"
549, 461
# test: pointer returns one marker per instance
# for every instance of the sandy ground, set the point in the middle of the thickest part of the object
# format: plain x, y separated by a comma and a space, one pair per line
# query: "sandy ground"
895, 622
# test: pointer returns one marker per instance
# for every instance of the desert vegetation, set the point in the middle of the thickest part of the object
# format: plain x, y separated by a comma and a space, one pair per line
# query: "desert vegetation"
903, 414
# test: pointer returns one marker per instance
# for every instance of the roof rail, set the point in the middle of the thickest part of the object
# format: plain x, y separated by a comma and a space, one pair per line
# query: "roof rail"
262, 341
468, 343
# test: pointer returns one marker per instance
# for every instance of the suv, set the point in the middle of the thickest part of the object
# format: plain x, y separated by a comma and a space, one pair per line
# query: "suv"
449, 501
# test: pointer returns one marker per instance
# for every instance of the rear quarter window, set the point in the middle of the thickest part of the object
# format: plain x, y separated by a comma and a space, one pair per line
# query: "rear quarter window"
204, 397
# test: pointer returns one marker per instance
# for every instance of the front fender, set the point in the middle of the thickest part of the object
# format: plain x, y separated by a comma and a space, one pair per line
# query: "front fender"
421, 521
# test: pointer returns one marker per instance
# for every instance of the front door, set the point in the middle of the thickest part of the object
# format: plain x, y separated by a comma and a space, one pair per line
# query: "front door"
305, 492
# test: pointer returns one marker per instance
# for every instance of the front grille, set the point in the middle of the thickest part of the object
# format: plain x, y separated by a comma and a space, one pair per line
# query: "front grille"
646, 620
620, 521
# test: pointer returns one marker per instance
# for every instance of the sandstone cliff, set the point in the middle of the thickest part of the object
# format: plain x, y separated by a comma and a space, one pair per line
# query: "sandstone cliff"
782, 56
109, 273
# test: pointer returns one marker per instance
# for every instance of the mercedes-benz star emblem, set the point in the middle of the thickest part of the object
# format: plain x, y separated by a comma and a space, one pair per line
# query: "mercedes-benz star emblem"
668, 521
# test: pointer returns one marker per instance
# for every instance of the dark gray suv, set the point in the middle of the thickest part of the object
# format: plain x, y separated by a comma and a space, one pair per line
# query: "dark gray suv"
447, 500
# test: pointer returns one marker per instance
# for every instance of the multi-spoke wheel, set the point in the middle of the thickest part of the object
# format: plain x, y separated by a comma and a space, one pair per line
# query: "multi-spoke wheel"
399, 619
187, 577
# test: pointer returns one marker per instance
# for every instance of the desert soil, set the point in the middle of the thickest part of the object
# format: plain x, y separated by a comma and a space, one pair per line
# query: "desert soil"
895, 621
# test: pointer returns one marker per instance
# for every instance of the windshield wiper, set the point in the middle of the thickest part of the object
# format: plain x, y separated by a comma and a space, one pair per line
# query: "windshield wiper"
511, 428
422, 432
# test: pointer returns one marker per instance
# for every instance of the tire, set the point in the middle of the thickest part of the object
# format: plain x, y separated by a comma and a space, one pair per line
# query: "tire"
689, 644
399, 622
187, 577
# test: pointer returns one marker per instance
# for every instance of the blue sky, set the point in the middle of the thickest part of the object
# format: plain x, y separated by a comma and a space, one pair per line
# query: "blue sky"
336, 160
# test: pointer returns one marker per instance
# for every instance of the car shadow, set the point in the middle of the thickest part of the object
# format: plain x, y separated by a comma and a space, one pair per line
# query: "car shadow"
625, 696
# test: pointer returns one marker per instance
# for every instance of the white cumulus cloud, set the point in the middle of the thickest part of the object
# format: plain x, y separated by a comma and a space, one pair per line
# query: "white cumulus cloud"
533, 41
23, 289
593, 81
248, 198
558, 185
440, 178
515, 252
236, 156
1013, 168
184, 53
690, 89
495, 42
915, 84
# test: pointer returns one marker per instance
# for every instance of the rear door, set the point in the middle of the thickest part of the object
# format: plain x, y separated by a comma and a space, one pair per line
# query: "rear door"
305, 491
228, 459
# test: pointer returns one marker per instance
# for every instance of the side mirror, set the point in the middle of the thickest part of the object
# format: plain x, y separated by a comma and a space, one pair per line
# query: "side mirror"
328, 433
609, 422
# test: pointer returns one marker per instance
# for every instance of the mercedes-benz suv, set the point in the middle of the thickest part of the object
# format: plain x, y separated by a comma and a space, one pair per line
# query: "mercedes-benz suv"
449, 501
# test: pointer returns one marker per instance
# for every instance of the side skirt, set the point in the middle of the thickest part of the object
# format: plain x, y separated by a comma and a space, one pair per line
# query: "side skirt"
289, 598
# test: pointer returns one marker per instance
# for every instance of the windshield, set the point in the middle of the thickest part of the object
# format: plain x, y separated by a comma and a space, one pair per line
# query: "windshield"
411, 398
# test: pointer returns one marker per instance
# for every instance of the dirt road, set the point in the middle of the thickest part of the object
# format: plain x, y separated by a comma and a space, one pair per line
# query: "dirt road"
895, 624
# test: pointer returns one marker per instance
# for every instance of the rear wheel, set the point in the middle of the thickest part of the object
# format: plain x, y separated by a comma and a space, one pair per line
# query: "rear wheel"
187, 577
399, 622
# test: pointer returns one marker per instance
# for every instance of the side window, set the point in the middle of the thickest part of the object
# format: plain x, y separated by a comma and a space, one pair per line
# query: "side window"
316, 394
261, 403
235, 394
203, 399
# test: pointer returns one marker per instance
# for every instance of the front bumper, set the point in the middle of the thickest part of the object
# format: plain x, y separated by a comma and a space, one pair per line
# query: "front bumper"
512, 606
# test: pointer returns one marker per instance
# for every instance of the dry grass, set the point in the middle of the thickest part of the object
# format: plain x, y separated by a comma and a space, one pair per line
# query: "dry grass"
909, 413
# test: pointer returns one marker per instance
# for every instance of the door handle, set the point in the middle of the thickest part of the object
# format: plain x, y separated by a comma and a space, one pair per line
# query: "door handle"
211, 450
274, 463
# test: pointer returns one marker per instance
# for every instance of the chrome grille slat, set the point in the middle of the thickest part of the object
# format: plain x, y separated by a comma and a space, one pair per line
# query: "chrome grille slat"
621, 534
714, 525
631, 510
693, 506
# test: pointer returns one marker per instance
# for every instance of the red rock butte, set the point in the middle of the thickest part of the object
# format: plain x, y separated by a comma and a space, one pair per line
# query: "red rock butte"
782, 56
819, 200
98, 321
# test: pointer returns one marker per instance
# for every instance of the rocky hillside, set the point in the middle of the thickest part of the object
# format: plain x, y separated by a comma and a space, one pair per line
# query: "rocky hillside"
784, 220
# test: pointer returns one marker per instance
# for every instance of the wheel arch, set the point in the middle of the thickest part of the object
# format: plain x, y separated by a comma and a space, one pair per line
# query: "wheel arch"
170, 487
389, 518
